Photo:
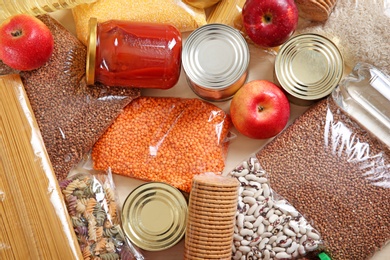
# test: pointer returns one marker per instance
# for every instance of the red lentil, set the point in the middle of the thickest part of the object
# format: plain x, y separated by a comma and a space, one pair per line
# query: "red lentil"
165, 139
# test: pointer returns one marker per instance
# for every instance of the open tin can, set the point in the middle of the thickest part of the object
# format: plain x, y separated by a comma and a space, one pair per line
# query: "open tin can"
154, 216
215, 58
308, 67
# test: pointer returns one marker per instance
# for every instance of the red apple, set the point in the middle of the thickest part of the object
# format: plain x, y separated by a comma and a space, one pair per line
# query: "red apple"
26, 43
259, 109
269, 23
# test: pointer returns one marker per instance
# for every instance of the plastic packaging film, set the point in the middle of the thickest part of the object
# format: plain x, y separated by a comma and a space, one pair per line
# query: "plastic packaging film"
267, 225
334, 170
365, 96
71, 116
165, 139
7, 9
178, 13
34, 223
211, 213
359, 28
92, 203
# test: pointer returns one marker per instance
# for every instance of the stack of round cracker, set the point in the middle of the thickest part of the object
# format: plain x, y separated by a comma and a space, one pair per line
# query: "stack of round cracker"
211, 217
315, 10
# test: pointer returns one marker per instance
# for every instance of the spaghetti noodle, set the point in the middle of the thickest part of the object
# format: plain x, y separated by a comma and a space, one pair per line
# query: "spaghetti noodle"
34, 223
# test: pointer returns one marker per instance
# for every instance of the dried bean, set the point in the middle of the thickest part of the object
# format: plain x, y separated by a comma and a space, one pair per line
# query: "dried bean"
263, 242
313, 235
283, 255
292, 248
289, 232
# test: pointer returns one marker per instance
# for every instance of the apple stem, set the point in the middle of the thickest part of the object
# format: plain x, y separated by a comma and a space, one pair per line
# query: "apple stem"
260, 108
16, 33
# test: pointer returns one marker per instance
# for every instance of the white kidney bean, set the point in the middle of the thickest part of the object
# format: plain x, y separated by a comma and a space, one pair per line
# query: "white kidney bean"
248, 224
273, 218
283, 255
258, 221
266, 191
263, 242
277, 249
260, 229
247, 193
301, 250
252, 209
292, 248
250, 218
272, 239
244, 249
266, 234
310, 246
240, 220
302, 239
269, 214
313, 235
280, 239
237, 255
249, 200
246, 232
267, 254
287, 243
289, 232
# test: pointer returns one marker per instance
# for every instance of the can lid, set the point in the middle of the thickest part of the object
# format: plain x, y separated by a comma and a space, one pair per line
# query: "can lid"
309, 66
154, 216
215, 56
91, 51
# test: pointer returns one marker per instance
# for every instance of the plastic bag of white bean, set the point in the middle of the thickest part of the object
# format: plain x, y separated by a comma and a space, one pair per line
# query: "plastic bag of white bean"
333, 165
267, 226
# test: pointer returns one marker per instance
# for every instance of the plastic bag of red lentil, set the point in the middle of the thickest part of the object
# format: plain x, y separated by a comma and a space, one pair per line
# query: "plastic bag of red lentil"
71, 115
333, 165
165, 139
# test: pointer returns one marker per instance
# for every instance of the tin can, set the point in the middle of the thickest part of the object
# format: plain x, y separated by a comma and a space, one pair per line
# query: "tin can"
215, 58
308, 67
154, 216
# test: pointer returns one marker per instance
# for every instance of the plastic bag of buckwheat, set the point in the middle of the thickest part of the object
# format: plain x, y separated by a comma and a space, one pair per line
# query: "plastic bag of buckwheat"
267, 226
333, 165
71, 115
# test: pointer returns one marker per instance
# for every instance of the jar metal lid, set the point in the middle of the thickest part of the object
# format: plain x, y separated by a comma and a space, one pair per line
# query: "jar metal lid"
308, 67
215, 58
154, 216
91, 51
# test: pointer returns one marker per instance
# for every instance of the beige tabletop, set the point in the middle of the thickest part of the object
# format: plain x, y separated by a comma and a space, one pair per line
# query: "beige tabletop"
241, 147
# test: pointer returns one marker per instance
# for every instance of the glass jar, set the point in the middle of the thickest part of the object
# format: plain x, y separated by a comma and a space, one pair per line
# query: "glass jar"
133, 54
37, 7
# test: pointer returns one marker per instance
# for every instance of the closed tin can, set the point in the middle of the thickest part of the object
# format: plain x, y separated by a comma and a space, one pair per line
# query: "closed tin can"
308, 67
154, 216
215, 58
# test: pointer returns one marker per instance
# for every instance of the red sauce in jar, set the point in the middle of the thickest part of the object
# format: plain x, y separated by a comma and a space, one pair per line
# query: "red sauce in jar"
137, 54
